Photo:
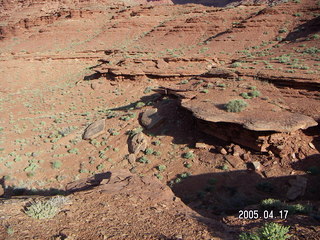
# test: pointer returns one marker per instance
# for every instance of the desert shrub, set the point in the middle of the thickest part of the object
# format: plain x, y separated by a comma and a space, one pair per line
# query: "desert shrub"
161, 167
236, 105
269, 231
245, 95
143, 160
149, 151
188, 155
271, 204
139, 105
43, 209
236, 64
56, 164
299, 209
254, 94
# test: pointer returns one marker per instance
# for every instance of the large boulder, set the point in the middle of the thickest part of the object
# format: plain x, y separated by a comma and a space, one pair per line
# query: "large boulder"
138, 143
151, 118
95, 129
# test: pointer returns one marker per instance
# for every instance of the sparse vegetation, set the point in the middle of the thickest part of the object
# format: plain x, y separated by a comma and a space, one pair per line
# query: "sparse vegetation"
236, 64
269, 231
42, 209
188, 155
236, 106
56, 164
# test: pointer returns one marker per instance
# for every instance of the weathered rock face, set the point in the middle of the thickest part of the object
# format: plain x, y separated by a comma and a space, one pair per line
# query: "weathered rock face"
166, 67
122, 181
282, 121
138, 143
218, 72
151, 118
95, 129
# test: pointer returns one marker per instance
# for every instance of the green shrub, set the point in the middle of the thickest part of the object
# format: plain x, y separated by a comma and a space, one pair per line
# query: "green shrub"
56, 164
139, 105
236, 105
188, 155
254, 94
149, 151
236, 64
283, 30
269, 231
299, 209
245, 95
271, 204
143, 160
43, 209
161, 168
204, 91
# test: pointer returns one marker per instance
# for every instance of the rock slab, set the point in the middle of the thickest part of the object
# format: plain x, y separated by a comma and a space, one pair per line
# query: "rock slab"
95, 129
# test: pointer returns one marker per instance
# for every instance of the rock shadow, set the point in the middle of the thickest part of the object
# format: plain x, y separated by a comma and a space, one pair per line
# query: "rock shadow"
216, 195
76, 186
303, 30
210, 3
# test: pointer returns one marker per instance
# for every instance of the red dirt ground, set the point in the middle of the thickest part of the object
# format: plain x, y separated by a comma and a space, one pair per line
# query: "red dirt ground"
66, 64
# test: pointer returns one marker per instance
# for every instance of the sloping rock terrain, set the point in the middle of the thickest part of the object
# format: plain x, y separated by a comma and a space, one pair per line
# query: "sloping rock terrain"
116, 112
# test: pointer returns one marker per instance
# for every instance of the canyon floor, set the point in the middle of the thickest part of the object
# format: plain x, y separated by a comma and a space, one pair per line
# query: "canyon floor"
117, 111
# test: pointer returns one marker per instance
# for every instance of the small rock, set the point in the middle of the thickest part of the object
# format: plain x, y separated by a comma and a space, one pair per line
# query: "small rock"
202, 146
95, 129
1, 191
298, 187
237, 150
223, 151
254, 165
246, 157
94, 86
234, 161
151, 118
138, 143
312, 145
131, 158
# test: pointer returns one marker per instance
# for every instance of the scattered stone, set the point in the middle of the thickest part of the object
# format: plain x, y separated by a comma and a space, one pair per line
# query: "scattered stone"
131, 158
312, 145
151, 118
234, 161
95, 129
237, 150
223, 151
1, 191
256, 166
138, 143
246, 157
94, 86
202, 146
298, 187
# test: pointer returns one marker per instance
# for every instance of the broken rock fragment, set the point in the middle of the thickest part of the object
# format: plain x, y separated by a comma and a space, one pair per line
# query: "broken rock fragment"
95, 129
1, 191
151, 118
138, 143
298, 187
